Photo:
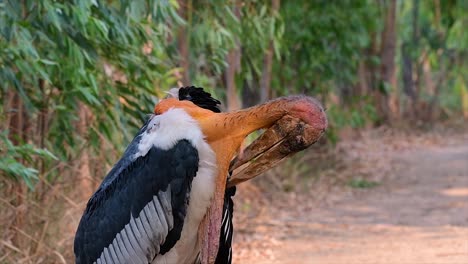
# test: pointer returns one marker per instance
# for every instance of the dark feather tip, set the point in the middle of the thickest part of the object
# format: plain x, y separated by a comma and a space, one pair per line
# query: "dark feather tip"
199, 97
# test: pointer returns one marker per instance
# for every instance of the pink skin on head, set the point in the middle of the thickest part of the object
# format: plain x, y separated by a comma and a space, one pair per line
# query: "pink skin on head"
311, 112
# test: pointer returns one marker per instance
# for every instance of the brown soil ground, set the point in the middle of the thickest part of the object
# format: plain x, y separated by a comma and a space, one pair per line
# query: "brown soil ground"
418, 213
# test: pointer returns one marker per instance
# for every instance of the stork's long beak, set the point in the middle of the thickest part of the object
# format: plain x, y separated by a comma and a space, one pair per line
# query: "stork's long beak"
225, 133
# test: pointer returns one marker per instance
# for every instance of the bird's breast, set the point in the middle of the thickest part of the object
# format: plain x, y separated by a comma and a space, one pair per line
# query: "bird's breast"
187, 249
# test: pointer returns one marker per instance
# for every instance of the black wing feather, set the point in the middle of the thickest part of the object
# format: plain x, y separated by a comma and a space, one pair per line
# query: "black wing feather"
128, 188
224, 255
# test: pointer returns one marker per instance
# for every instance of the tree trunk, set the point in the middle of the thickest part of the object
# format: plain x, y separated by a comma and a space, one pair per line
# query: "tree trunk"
417, 67
16, 120
389, 102
43, 120
437, 87
362, 87
427, 77
464, 97
233, 61
265, 81
84, 173
17, 136
8, 102
437, 14
372, 68
183, 43
250, 96
407, 71
408, 85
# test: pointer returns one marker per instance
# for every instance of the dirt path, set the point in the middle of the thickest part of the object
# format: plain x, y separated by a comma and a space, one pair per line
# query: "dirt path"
419, 215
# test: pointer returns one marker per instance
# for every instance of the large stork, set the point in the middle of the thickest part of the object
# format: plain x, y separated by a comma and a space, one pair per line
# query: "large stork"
166, 198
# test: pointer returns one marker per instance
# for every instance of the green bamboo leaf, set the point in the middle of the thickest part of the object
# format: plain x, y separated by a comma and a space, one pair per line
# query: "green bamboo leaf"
48, 62
88, 96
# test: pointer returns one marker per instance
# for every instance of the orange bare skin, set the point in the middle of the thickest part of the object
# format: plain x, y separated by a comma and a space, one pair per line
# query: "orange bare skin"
225, 133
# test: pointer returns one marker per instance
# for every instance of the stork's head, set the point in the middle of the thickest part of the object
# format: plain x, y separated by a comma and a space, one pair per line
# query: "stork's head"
225, 133
205, 109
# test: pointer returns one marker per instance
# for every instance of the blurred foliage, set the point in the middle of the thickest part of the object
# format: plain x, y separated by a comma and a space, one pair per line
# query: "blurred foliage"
114, 58
17, 161
56, 54
437, 36
323, 43
357, 116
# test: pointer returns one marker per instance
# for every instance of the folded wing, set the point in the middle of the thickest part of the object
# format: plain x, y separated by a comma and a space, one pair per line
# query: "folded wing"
138, 211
